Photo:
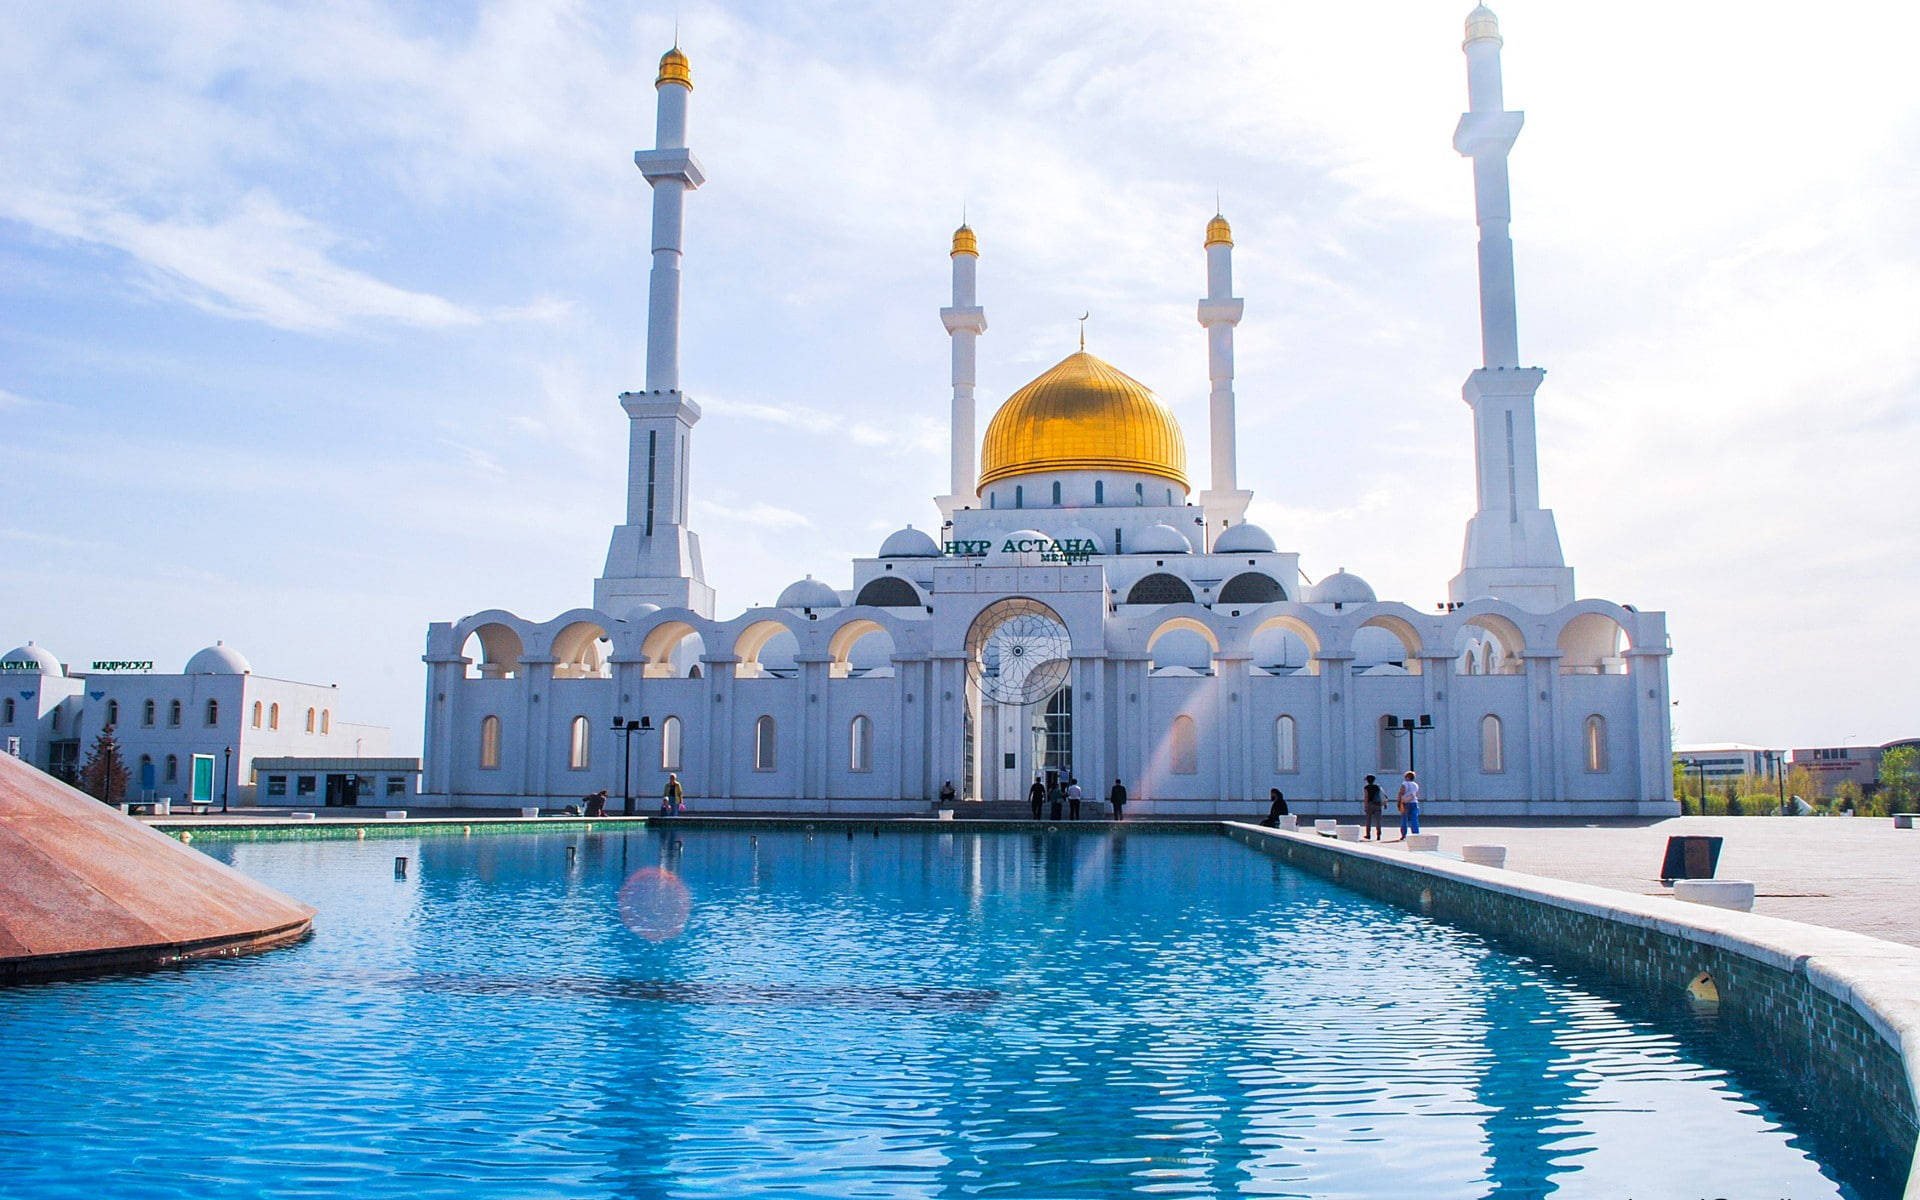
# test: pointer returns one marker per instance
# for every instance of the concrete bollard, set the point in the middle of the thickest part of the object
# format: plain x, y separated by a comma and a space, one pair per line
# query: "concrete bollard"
1324, 824
1736, 894
945, 814
529, 813
1289, 821
1348, 833
1423, 841
396, 814
1484, 856
300, 816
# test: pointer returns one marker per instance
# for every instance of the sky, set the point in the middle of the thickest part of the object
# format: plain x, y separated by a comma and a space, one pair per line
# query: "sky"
313, 316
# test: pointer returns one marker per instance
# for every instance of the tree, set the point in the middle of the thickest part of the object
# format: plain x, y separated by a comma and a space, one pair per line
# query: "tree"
1848, 797
1733, 801
104, 775
1899, 778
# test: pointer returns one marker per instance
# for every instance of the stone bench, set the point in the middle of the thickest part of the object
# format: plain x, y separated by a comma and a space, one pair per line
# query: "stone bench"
1904, 820
396, 814
529, 813
1720, 893
1324, 825
1426, 841
1347, 833
300, 816
1289, 821
1484, 856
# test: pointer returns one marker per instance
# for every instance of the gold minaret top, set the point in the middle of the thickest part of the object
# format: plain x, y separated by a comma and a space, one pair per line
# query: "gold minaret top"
964, 243
674, 69
1219, 233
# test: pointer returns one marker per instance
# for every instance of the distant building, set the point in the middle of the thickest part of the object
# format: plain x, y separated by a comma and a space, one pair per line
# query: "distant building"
191, 734
1728, 760
1832, 766
334, 781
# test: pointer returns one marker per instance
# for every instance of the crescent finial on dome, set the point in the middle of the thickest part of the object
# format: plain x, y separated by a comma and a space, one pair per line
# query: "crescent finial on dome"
674, 68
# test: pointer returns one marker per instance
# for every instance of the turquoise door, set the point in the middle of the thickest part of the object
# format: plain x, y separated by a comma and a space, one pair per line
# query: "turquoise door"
203, 779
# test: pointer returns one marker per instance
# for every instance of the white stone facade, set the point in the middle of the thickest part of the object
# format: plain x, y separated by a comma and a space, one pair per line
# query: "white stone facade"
1202, 669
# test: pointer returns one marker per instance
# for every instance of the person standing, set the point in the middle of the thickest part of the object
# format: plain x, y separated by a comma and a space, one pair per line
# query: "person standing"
1409, 805
1073, 798
1371, 805
1118, 798
673, 800
1036, 796
1056, 794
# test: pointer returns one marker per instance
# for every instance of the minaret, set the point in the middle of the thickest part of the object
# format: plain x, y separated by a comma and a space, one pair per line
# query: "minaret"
654, 557
965, 321
1220, 311
1512, 547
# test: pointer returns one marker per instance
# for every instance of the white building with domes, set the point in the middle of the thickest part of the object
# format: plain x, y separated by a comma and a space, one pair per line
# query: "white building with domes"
1080, 609
200, 730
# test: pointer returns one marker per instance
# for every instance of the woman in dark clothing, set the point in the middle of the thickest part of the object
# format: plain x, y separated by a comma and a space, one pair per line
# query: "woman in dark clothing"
1275, 810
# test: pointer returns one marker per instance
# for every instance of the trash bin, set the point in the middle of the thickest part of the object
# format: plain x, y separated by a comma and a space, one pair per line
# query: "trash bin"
1692, 857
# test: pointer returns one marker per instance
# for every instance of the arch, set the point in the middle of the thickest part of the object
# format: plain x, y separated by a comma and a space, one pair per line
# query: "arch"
173, 713
889, 591
860, 744
1493, 749
1403, 632
756, 638
1160, 588
581, 650
1190, 625
860, 645
665, 648
1592, 643
173, 768
113, 712
500, 651
1286, 744
326, 720
1183, 743
1501, 647
1251, 587
1056, 493
489, 743
1293, 626
671, 742
1593, 738
256, 714
150, 712
213, 711
273, 715
312, 719
579, 743
766, 744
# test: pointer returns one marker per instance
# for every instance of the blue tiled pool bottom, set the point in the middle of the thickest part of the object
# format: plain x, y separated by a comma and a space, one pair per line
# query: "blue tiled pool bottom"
902, 1015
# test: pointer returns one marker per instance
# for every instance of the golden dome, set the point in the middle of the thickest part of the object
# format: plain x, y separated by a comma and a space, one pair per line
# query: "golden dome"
674, 68
963, 242
1219, 233
1083, 415
1482, 25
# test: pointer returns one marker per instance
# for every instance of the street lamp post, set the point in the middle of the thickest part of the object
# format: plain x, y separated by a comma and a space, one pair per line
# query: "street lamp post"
1702, 768
626, 728
226, 780
1408, 726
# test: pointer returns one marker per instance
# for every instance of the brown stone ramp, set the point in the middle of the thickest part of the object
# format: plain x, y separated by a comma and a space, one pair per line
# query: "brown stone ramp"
84, 888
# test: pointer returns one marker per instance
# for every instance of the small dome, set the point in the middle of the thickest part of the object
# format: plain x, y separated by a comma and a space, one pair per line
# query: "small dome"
1340, 588
808, 593
909, 543
1159, 539
1219, 233
31, 660
1243, 539
219, 659
1033, 539
1483, 26
964, 243
639, 610
674, 68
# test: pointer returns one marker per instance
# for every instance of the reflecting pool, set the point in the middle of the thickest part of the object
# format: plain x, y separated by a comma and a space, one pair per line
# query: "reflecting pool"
717, 1013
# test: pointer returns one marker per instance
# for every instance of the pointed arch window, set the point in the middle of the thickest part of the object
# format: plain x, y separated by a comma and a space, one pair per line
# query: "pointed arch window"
256, 714
670, 736
1286, 744
6, 712
173, 768
577, 744
149, 713
1596, 742
273, 716
1056, 493
113, 713
764, 745
1493, 750
213, 712
311, 716
489, 743
1099, 491
1019, 495
326, 720
860, 744
173, 713
1183, 746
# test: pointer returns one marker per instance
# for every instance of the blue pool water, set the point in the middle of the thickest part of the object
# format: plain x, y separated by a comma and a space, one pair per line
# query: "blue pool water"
901, 1015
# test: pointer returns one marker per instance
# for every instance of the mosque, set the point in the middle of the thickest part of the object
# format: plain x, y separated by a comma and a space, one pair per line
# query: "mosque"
1080, 610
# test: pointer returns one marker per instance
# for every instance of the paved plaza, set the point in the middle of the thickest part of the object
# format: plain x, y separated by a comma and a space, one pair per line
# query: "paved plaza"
1857, 873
